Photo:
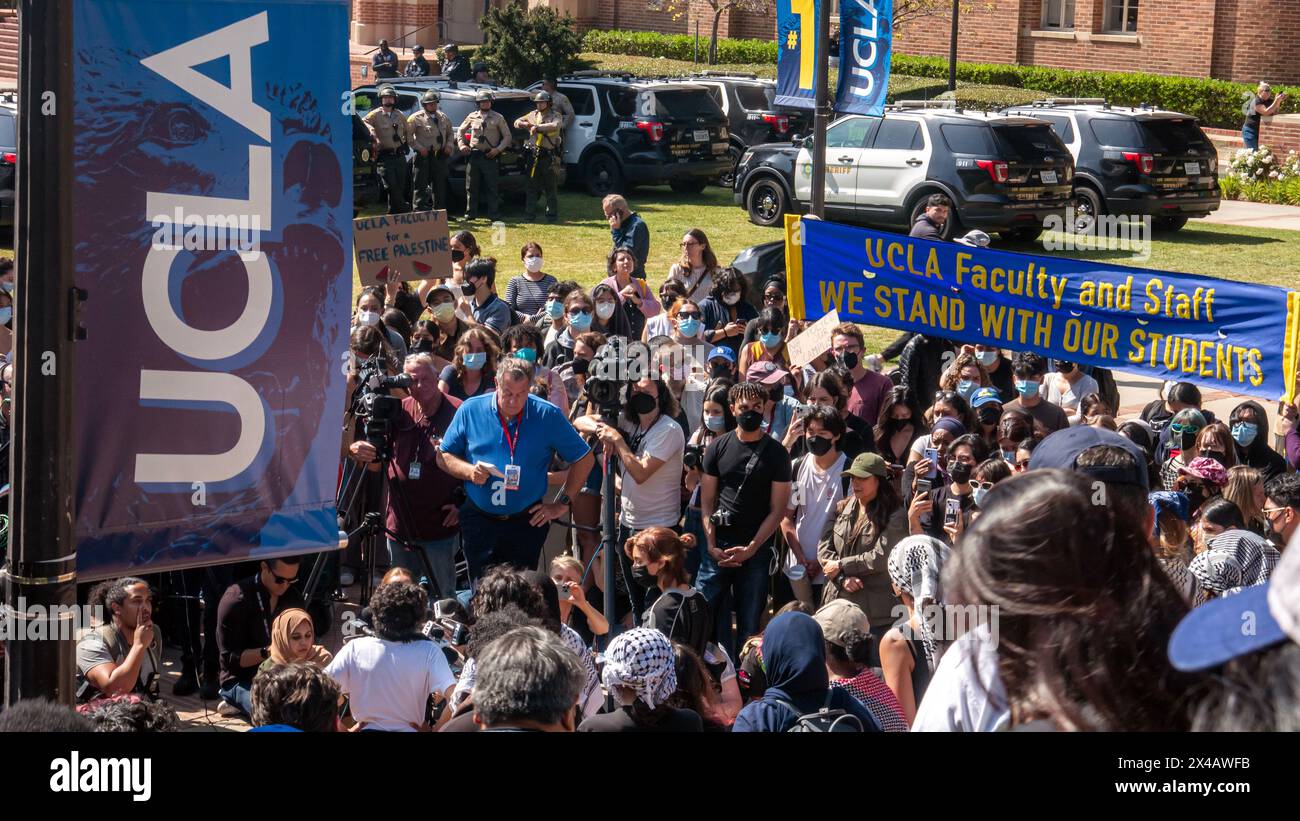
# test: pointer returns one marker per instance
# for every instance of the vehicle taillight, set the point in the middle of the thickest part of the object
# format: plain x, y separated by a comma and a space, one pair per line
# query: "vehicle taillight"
9, 158
780, 122
997, 169
655, 131
1144, 162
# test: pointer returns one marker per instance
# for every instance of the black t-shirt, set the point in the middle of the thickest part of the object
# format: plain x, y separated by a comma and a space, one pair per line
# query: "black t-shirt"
667, 720
1003, 380
748, 499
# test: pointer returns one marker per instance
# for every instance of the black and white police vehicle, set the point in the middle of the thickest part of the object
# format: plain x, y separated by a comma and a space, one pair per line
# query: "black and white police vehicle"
636, 131
1003, 174
752, 115
1133, 161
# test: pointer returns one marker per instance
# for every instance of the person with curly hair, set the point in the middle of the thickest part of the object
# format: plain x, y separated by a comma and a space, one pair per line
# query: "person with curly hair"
295, 697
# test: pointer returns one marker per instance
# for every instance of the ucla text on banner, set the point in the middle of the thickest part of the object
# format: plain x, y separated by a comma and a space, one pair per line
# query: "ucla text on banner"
865, 35
1230, 335
213, 206
796, 61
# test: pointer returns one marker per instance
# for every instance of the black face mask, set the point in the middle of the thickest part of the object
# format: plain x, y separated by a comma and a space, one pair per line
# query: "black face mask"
457, 255
1195, 498
580, 366
848, 360
819, 445
959, 472
642, 576
1064, 367
989, 415
899, 424
641, 403
468, 289
1187, 440
750, 421
775, 393
720, 371
1217, 455
423, 346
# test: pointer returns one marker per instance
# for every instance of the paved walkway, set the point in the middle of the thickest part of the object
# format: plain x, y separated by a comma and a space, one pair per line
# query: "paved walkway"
1256, 215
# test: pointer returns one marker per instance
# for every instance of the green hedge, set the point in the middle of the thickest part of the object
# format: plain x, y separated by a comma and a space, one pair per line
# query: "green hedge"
989, 98
1215, 103
1276, 193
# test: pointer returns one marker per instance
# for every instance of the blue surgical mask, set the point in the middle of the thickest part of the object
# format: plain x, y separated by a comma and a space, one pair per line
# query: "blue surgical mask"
1009, 456
1026, 388
526, 354
966, 387
715, 423
978, 495
7, 287
6, 314
987, 358
689, 327
475, 360
770, 340
581, 322
1243, 433
554, 308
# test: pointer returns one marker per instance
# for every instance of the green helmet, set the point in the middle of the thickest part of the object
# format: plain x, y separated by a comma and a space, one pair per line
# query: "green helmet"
430, 96
387, 91
483, 94
542, 97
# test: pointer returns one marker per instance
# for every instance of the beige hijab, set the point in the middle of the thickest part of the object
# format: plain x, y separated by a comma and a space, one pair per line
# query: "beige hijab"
283, 627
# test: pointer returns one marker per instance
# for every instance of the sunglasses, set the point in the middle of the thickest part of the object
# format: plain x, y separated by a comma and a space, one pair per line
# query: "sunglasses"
689, 243
1023, 465
576, 311
984, 485
773, 298
283, 580
689, 315
1178, 427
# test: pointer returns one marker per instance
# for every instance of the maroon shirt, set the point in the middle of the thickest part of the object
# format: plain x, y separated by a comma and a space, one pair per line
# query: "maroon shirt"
426, 496
868, 395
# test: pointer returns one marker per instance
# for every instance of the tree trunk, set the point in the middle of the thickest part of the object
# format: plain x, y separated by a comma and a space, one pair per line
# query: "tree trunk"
713, 38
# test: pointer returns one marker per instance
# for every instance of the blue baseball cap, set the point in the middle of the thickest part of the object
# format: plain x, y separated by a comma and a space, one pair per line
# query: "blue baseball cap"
1062, 448
985, 396
1242, 623
724, 352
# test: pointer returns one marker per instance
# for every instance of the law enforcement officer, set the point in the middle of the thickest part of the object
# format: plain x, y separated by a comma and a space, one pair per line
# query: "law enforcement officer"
454, 66
483, 136
419, 67
384, 63
481, 74
560, 103
391, 132
431, 138
543, 126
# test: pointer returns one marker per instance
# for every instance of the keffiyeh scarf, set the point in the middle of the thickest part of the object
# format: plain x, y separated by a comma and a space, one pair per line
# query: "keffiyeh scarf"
642, 660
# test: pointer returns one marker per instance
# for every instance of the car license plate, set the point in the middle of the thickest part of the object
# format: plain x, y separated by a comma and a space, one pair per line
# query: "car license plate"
701, 135
1048, 177
1193, 169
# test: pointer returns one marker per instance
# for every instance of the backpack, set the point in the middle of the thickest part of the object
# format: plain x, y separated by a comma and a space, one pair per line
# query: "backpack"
87, 692
828, 719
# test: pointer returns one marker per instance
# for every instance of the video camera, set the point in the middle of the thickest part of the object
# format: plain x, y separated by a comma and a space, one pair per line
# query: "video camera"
375, 406
617, 364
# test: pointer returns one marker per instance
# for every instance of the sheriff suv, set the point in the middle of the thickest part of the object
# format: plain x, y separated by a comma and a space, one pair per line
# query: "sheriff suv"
1133, 161
1002, 173
631, 131
752, 115
8, 158
457, 102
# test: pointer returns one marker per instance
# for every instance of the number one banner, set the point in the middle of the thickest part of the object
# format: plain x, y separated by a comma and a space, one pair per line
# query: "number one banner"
865, 35
796, 37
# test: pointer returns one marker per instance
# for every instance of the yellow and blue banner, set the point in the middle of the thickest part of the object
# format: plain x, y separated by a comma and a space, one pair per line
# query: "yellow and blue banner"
866, 30
1230, 335
796, 62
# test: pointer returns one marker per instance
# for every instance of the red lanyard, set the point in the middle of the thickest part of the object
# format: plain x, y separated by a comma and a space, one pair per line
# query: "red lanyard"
511, 441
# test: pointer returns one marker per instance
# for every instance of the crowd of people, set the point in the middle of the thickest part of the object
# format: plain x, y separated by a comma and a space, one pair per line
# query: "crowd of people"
976, 539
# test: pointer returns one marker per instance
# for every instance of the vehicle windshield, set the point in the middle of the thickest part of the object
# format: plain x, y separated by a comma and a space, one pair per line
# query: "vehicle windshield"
1027, 143
1174, 136
756, 98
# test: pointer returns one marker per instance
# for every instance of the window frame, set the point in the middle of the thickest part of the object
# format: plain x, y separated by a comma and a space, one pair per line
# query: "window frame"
1125, 7
1064, 15
917, 135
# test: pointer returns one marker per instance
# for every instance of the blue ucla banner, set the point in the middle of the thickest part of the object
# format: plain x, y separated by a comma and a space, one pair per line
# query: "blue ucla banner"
796, 61
866, 30
1238, 337
213, 211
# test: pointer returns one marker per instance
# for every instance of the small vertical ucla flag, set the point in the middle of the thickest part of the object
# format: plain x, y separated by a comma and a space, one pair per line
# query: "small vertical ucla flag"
866, 33
796, 62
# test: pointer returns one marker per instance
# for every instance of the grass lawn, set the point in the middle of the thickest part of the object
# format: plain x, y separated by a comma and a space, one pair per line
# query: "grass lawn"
576, 247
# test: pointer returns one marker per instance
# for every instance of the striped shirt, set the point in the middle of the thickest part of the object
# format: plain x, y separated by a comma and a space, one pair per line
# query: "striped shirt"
528, 297
879, 700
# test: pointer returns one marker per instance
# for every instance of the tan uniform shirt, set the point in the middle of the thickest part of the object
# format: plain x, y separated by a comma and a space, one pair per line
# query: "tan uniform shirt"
548, 128
484, 130
390, 129
564, 108
431, 132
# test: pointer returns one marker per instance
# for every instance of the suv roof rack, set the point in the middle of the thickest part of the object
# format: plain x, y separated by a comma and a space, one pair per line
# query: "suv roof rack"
924, 104
740, 75
589, 73
1101, 101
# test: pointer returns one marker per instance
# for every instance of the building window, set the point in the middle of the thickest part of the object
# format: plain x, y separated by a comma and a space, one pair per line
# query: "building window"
1120, 17
1058, 14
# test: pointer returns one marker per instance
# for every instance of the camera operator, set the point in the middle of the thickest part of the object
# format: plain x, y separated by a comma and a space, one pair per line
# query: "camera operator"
244, 618
501, 445
430, 518
125, 654
744, 494
715, 420
649, 444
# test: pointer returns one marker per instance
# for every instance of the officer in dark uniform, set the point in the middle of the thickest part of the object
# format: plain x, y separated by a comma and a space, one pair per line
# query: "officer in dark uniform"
384, 62
391, 132
431, 138
481, 74
483, 136
418, 67
544, 127
455, 67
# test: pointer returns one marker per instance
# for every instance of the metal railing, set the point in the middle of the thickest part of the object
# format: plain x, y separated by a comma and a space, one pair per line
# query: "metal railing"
441, 38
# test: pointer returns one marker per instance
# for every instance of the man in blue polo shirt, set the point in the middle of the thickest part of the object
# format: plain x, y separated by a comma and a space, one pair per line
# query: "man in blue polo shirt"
501, 444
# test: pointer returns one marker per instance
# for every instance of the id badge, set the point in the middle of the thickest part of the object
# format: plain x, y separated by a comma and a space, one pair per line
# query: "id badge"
414, 472
513, 475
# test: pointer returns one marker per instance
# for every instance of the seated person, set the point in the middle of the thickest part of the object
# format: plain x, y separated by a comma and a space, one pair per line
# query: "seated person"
244, 619
124, 655
528, 681
295, 697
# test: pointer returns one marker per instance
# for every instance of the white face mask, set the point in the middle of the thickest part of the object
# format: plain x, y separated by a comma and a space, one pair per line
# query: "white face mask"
604, 310
731, 299
367, 318
532, 264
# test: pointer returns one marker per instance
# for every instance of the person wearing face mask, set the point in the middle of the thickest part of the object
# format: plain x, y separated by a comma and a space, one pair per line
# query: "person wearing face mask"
638, 300
746, 483
550, 320
964, 376
727, 310
1183, 431
1215, 442
826, 388
868, 389
714, 420
370, 311
1248, 425
389, 134
525, 342
1014, 427
473, 368
986, 403
721, 363
944, 432
649, 445
662, 323
987, 474
487, 308
1030, 370
1068, 386
780, 408
898, 425
1282, 507
609, 319
526, 293
930, 519
998, 368
769, 341
586, 504
687, 323
451, 328
818, 486
1201, 479
773, 298
579, 312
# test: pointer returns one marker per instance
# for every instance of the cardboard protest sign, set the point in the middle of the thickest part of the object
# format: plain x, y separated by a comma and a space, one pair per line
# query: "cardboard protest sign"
813, 341
397, 247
